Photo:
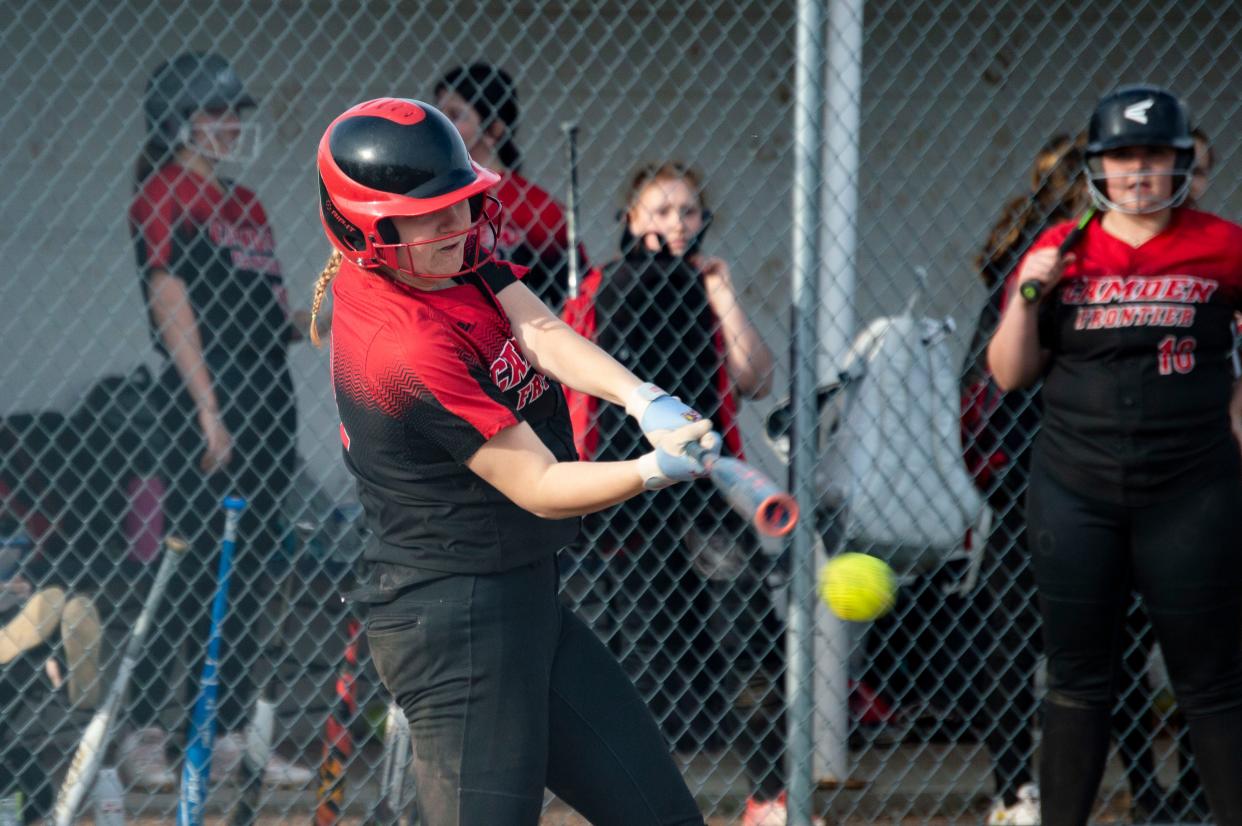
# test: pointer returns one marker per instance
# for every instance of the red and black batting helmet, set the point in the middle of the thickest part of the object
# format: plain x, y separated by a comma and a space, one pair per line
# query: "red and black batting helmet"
389, 158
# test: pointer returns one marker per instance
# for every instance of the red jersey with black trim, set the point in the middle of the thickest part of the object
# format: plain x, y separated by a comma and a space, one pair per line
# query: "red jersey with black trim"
1137, 393
535, 234
217, 240
422, 379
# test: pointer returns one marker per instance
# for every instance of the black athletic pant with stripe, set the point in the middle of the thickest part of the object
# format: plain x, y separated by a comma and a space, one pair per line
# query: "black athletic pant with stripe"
1184, 556
508, 692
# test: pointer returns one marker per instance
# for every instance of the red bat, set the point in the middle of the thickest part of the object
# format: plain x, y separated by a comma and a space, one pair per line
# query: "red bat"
338, 746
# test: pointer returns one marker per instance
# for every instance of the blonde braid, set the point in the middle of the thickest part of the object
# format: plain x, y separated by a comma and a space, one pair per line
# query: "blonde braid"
321, 287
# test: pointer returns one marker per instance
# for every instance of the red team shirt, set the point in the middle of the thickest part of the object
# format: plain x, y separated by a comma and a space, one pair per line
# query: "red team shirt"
1136, 397
422, 379
217, 240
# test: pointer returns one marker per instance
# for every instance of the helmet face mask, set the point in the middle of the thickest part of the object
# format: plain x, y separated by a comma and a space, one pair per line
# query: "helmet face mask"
478, 249
393, 158
1139, 116
222, 136
1179, 173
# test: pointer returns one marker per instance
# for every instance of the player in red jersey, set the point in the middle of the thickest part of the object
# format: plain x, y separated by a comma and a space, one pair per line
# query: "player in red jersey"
445, 370
218, 312
482, 102
1135, 476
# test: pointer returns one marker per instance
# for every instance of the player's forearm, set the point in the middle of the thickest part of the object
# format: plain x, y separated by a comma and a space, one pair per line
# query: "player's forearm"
567, 489
174, 318
560, 353
578, 363
1014, 356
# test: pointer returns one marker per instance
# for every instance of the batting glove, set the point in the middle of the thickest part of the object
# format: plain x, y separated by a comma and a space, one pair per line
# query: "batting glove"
658, 413
669, 463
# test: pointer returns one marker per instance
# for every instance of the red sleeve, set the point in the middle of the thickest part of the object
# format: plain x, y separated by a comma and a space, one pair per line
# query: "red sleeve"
436, 384
153, 216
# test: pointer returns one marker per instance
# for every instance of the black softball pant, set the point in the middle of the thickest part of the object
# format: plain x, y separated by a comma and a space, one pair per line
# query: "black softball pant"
507, 693
1184, 556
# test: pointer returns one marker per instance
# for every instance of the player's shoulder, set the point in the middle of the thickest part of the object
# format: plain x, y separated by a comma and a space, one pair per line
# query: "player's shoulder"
1054, 234
1209, 225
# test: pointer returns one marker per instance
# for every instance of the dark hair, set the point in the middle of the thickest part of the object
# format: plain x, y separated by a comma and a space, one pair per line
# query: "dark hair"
1058, 193
154, 156
1198, 134
490, 92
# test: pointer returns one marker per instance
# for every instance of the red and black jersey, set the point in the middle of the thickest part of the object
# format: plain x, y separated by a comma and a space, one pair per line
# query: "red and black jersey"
216, 240
1136, 397
422, 380
535, 235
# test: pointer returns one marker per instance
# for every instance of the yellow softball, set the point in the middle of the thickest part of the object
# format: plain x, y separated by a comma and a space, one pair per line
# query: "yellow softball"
857, 587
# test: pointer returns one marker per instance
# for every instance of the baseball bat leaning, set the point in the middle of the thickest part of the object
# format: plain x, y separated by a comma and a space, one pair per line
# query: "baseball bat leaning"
571, 219
338, 744
90, 753
771, 510
197, 769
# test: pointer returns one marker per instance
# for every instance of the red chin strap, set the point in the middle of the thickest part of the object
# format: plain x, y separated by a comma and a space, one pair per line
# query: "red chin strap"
478, 249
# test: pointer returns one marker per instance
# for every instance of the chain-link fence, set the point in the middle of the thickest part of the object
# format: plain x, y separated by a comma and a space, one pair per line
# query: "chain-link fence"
933, 114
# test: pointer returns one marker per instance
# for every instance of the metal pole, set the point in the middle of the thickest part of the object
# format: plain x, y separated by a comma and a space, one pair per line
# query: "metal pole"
836, 327
799, 639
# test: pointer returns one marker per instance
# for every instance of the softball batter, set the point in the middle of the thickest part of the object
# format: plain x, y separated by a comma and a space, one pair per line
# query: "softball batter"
446, 370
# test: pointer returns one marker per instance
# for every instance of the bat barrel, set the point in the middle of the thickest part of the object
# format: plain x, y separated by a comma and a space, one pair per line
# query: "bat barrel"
777, 515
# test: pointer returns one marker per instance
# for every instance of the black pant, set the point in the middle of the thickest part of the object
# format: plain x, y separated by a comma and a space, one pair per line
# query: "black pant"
508, 692
1184, 556
257, 403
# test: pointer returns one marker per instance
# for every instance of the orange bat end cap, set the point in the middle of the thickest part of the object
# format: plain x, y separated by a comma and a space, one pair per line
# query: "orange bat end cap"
776, 515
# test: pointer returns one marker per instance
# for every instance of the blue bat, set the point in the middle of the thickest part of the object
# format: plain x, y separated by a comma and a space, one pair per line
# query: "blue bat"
197, 769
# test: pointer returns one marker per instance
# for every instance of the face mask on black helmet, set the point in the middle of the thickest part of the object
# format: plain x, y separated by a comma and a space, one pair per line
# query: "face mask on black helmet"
1134, 116
196, 82
391, 158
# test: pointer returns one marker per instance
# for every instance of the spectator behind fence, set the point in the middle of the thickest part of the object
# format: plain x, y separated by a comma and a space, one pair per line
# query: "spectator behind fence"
49, 659
692, 605
219, 316
482, 102
446, 373
998, 429
1135, 474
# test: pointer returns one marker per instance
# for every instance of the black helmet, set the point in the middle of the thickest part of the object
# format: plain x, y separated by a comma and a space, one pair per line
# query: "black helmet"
190, 82
1140, 115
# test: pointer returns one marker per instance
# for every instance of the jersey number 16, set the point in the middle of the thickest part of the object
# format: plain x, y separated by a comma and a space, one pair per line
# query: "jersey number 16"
1176, 355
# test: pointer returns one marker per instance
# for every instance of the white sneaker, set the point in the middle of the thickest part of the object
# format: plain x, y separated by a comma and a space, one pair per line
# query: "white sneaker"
280, 772
142, 760
1025, 812
226, 754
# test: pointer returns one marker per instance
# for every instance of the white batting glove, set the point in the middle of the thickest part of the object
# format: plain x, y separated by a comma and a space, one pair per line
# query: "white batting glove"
669, 464
659, 414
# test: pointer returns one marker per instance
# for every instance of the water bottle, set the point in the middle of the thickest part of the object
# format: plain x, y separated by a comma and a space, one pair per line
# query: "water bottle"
11, 808
144, 521
108, 799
